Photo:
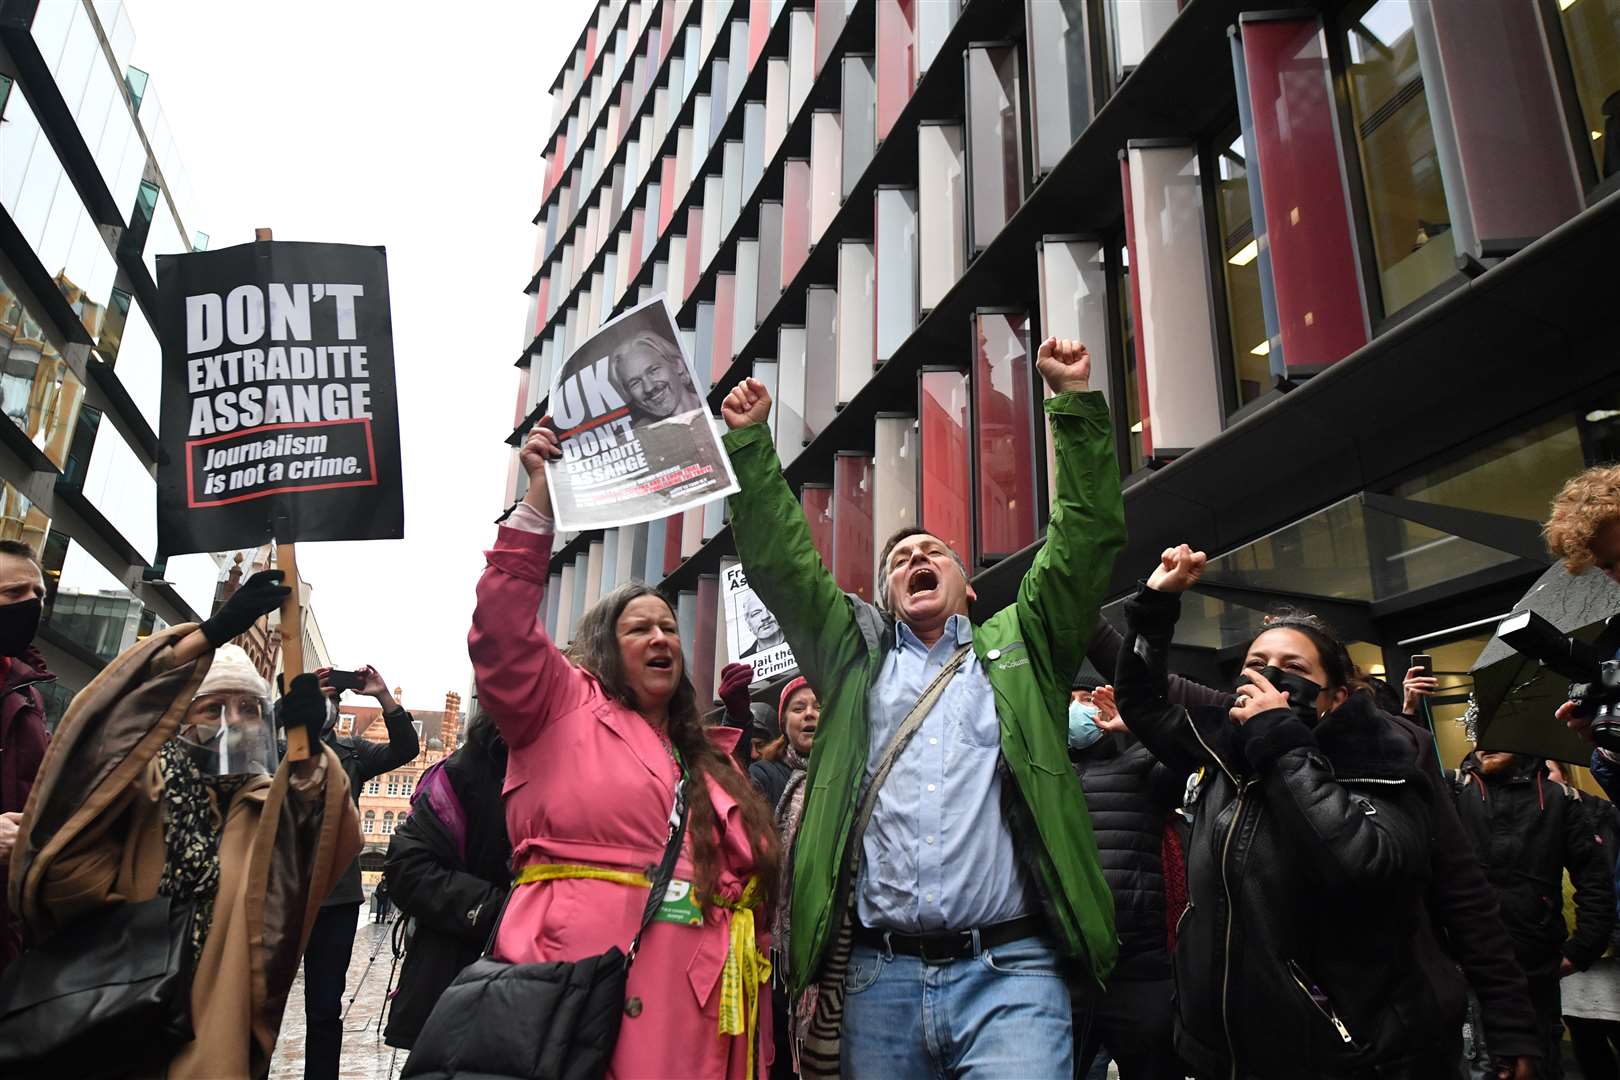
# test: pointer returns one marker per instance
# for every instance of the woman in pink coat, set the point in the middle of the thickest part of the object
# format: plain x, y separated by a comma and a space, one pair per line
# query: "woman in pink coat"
598, 739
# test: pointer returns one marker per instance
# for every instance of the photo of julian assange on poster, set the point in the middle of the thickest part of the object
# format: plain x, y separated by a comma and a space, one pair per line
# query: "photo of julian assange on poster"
637, 439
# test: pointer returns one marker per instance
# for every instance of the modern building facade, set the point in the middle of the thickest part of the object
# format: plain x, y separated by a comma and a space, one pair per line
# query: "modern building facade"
91, 189
1346, 271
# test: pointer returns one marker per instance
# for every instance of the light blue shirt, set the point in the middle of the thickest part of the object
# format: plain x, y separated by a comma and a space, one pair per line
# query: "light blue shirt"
938, 853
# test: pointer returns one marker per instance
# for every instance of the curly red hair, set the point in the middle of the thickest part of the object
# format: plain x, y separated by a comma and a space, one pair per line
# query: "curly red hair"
1588, 502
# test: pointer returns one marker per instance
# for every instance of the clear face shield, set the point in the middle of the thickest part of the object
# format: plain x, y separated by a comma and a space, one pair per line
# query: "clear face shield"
230, 734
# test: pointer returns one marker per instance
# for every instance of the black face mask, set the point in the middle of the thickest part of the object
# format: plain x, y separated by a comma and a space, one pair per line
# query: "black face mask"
1302, 693
18, 624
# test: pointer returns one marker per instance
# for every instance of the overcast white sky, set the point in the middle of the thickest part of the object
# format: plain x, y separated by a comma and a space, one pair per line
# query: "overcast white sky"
418, 127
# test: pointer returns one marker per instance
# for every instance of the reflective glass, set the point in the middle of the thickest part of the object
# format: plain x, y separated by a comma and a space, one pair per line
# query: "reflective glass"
801, 58
1059, 90
1241, 269
826, 171
817, 501
708, 610
1400, 169
896, 60
894, 478
746, 307
119, 485
895, 251
855, 318
20, 519
790, 392
771, 241
1592, 36
1004, 420
942, 209
859, 97
795, 216
1135, 27
820, 359
852, 523
565, 605
1517, 476
995, 155
86, 605
945, 459
38, 391
725, 286
776, 105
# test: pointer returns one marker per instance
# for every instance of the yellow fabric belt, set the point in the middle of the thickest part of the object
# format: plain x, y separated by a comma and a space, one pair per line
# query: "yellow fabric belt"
746, 969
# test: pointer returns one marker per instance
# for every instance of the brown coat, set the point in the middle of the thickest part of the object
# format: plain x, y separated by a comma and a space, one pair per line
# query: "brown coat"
93, 834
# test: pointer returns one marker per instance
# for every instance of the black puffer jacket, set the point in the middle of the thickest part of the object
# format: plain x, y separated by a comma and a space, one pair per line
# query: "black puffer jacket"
1527, 830
1130, 796
1306, 949
771, 778
448, 871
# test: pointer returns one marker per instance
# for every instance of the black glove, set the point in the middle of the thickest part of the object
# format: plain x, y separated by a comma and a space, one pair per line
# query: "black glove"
303, 705
258, 595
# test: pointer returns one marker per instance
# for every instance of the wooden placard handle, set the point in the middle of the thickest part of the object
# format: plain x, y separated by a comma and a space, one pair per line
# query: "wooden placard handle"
292, 642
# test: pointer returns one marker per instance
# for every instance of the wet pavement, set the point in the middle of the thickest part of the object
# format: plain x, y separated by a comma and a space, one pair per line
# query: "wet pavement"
365, 1057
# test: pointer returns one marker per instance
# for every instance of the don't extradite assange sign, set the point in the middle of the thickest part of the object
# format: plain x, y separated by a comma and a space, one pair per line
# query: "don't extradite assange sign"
279, 416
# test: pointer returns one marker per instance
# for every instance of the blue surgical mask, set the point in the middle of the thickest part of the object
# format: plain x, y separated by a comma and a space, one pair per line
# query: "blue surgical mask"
1083, 729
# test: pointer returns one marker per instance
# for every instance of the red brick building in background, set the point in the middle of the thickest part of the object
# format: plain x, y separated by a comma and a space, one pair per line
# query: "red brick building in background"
385, 801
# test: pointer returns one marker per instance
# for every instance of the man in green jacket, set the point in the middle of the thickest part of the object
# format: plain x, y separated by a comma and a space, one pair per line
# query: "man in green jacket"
979, 874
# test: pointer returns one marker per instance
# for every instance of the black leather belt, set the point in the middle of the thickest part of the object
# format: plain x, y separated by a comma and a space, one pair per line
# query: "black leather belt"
943, 946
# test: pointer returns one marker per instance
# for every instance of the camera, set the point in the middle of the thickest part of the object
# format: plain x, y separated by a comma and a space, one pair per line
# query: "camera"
1594, 676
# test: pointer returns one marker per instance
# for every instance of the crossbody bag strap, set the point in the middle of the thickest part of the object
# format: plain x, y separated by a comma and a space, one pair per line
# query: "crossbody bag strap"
660, 878
891, 753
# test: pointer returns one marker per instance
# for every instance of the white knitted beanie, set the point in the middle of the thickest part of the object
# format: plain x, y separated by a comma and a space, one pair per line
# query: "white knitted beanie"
232, 673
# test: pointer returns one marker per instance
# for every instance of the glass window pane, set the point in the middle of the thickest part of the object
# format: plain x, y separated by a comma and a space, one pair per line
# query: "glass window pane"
38, 391
1400, 169
817, 502
934, 21
826, 170
86, 605
852, 523
995, 153
1135, 405
1170, 265
942, 208
801, 58
753, 159
896, 60
820, 358
790, 358
895, 250
855, 315
1592, 36
674, 529
859, 117
1059, 91
795, 216
1518, 476
118, 485
708, 610
1004, 419
765, 372
745, 310
776, 105
721, 351
1240, 266
894, 478
1074, 300
1136, 26
769, 278
944, 458
1313, 262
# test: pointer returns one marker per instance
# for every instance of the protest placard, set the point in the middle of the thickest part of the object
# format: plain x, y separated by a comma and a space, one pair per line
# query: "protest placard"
637, 439
279, 416
753, 636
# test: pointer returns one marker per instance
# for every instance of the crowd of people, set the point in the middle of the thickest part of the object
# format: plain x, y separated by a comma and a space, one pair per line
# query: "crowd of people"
937, 850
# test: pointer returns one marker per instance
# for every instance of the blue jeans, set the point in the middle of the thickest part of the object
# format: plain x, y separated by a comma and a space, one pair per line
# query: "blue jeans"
1002, 1013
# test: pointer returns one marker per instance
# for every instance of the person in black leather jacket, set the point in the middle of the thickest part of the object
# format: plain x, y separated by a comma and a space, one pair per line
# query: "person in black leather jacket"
1460, 900
447, 870
1527, 830
1307, 949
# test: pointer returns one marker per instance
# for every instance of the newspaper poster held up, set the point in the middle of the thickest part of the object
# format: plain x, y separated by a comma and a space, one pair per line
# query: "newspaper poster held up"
278, 414
753, 636
637, 439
